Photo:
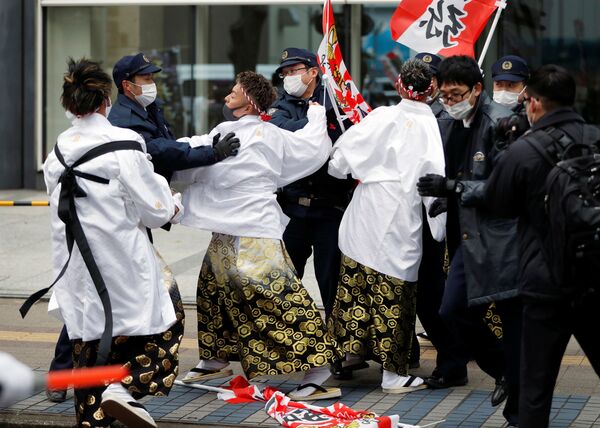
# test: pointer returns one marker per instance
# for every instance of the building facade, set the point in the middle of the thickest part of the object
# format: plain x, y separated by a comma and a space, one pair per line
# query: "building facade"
201, 45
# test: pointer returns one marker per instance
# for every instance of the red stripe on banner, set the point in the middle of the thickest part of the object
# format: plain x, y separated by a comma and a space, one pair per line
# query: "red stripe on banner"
407, 12
478, 14
384, 422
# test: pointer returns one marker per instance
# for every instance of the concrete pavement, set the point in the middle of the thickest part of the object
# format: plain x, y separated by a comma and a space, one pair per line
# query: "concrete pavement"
25, 267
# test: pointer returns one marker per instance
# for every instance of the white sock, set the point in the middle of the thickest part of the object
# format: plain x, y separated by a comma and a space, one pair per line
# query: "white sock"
212, 364
393, 380
316, 375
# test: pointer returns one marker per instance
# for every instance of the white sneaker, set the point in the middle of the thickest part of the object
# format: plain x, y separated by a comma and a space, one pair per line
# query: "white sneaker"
118, 403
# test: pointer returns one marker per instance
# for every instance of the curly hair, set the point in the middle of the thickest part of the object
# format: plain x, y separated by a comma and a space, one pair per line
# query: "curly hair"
85, 87
258, 89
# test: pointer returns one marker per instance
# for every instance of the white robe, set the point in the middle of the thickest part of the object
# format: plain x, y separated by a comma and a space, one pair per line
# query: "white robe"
114, 218
388, 151
237, 196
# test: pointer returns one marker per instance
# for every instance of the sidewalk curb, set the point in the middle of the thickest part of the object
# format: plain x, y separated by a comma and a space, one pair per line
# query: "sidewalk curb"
10, 419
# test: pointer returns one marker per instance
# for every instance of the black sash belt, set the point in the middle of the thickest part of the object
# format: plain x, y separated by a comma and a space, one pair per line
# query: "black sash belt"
74, 233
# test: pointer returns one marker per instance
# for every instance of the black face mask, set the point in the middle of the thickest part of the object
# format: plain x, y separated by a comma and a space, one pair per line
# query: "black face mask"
228, 113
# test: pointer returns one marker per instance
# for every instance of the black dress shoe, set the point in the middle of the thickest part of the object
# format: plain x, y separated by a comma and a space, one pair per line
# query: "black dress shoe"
345, 373
339, 372
500, 392
56, 395
440, 382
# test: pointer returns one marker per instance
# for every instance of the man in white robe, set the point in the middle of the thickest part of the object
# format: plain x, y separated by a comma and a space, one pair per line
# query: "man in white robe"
380, 234
252, 307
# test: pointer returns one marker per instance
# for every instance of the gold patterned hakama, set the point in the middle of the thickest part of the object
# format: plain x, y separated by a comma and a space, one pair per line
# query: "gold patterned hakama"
152, 360
374, 315
253, 308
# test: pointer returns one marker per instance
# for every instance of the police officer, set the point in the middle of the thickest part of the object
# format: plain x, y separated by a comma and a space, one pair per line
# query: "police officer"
137, 108
433, 61
510, 74
315, 204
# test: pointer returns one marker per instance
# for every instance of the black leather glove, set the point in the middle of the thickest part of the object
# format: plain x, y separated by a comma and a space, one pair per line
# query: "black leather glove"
434, 185
439, 206
228, 146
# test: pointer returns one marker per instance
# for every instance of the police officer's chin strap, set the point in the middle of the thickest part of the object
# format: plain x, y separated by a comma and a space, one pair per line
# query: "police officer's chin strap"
261, 113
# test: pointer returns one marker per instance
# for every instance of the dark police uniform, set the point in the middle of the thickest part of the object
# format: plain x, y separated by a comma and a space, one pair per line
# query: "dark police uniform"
168, 155
315, 204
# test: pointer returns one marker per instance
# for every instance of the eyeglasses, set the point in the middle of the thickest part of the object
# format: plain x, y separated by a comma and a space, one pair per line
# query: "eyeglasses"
454, 98
291, 72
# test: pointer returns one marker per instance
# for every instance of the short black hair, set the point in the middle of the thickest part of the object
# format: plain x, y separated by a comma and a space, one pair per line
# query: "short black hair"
417, 74
554, 85
459, 69
85, 87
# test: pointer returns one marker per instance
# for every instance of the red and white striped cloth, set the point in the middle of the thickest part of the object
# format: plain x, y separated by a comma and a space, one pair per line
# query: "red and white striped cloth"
332, 65
293, 414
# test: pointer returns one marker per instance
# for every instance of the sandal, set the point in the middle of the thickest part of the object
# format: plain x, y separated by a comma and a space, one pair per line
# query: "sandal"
199, 375
320, 393
407, 386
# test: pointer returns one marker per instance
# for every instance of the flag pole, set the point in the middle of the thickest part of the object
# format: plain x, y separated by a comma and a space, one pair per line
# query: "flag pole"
325, 38
334, 105
501, 4
202, 386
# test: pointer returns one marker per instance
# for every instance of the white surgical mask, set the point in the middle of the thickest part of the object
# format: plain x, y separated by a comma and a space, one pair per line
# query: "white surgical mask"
506, 98
294, 85
459, 111
148, 94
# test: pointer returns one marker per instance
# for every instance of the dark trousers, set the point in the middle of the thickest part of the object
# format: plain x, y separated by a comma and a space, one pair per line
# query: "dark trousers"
510, 311
430, 289
63, 353
547, 328
469, 336
302, 236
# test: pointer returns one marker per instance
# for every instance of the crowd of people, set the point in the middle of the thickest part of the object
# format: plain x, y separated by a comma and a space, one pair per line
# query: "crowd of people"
433, 207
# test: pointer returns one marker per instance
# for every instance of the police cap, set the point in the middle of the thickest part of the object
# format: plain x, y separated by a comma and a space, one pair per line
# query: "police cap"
291, 56
511, 68
130, 65
432, 60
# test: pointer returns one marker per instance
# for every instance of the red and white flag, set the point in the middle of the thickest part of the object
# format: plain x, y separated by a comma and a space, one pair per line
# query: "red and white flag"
332, 65
444, 27
293, 414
